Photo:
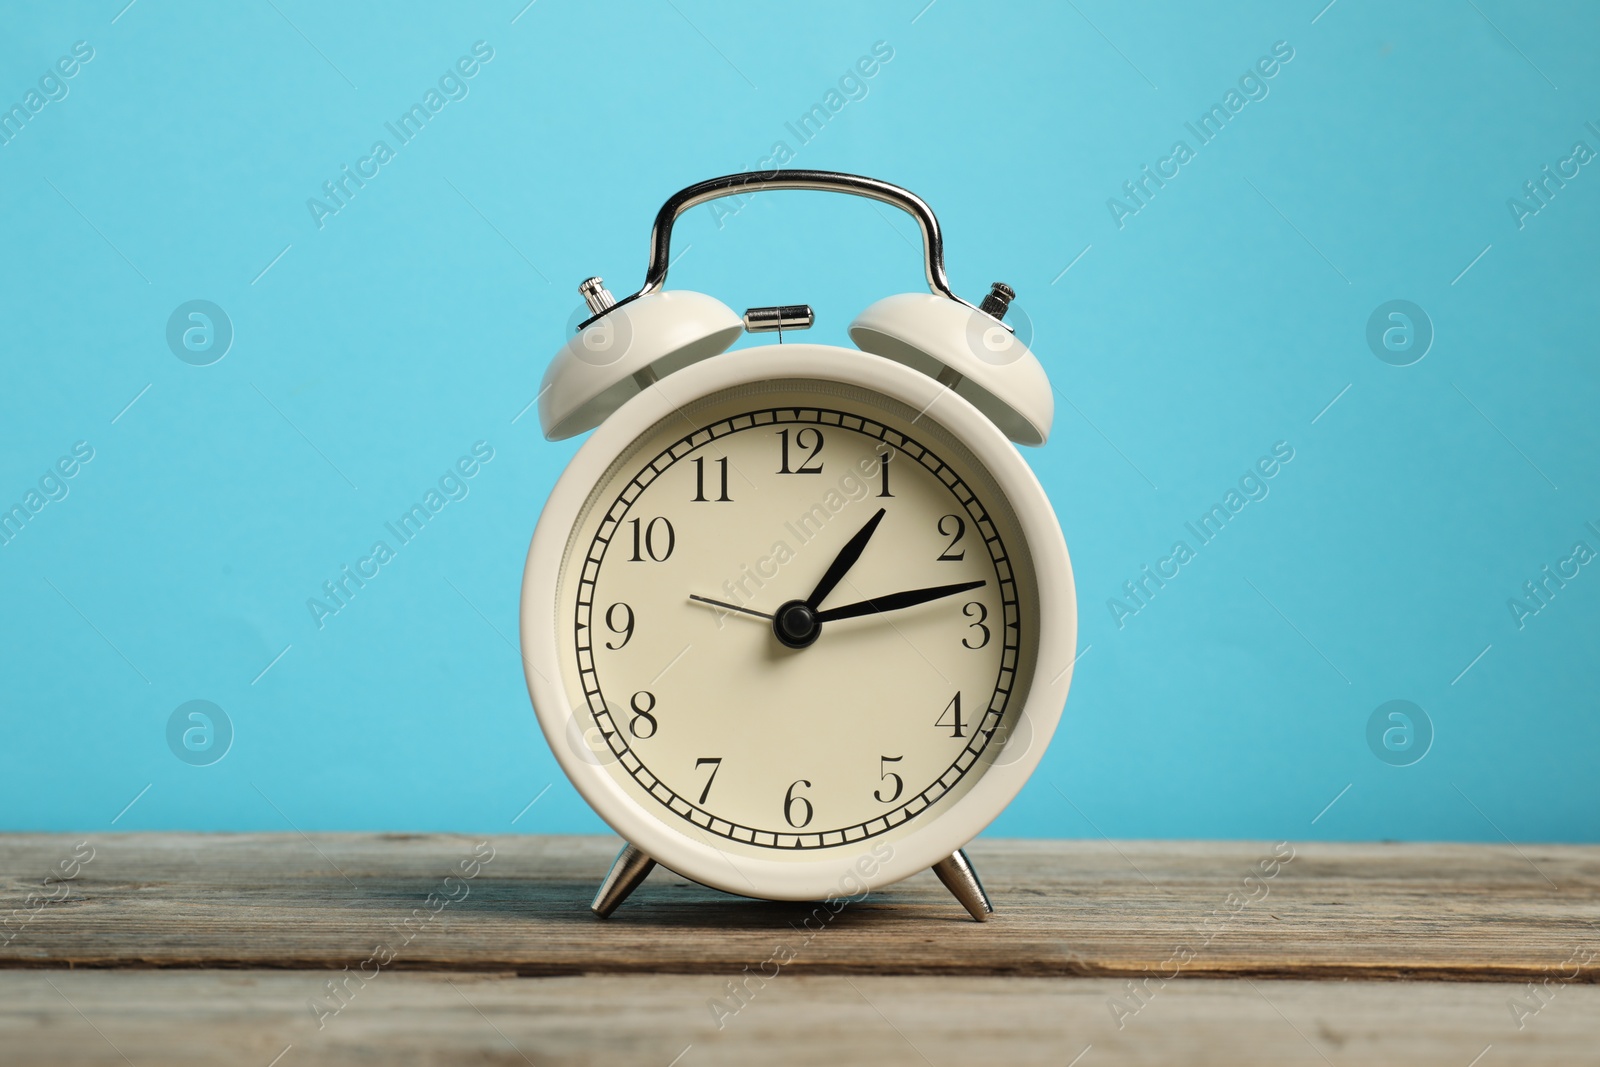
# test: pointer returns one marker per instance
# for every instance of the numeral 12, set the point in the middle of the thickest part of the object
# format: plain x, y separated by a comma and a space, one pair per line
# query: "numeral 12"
808, 438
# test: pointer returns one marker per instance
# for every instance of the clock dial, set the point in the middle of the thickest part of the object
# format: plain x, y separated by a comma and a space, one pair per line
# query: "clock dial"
799, 615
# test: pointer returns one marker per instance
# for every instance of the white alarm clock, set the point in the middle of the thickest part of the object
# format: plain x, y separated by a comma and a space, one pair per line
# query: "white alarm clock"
798, 621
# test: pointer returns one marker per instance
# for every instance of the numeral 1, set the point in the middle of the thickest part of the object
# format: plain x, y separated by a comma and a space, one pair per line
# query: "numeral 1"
883, 469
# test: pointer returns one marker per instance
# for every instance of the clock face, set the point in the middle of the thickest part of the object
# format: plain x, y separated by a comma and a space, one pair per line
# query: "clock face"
796, 615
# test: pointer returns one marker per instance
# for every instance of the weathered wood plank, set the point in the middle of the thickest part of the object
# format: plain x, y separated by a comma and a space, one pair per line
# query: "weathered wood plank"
253, 1017
1457, 912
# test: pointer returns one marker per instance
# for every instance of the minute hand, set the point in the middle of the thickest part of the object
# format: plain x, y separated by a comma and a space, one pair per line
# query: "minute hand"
895, 601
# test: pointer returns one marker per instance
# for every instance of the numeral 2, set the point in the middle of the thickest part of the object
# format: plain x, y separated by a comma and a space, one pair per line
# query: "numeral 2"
950, 555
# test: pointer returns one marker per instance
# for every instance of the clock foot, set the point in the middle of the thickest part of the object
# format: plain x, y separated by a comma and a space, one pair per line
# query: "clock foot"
958, 876
629, 869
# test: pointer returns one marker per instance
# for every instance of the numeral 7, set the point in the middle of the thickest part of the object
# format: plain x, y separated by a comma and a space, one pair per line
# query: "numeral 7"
716, 765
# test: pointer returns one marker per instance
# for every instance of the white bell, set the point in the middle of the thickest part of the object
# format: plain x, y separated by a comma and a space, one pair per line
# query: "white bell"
968, 350
624, 349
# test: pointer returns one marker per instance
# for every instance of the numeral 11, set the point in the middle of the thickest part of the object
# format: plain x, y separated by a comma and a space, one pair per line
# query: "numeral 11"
700, 481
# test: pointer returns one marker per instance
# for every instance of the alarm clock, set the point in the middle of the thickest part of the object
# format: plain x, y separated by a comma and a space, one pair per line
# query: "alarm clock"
797, 620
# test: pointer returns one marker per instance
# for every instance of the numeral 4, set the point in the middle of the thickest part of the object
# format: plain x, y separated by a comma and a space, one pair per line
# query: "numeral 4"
952, 711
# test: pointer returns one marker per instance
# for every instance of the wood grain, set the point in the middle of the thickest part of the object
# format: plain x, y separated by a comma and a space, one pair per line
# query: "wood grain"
1090, 909
253, 1018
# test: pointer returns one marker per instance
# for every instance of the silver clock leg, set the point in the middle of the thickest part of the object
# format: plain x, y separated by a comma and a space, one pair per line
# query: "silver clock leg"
629, 869
958, 876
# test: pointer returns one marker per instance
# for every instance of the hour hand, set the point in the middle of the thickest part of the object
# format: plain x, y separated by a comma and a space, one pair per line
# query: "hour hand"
843, 561
895, 601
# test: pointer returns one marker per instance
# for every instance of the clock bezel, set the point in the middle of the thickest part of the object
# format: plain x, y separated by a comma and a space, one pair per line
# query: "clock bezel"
835, 870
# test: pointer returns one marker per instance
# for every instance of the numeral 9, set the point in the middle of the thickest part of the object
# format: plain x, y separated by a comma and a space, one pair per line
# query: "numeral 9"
625, 628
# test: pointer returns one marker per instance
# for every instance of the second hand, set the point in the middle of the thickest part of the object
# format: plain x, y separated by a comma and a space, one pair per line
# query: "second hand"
730, 607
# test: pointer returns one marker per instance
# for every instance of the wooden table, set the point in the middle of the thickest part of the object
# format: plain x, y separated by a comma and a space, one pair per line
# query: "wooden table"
287, 950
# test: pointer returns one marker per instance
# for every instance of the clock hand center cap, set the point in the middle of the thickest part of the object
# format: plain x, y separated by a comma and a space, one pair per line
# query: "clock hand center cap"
795, 624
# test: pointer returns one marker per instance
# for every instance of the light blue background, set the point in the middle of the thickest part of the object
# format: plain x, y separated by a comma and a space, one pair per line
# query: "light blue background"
1222, 318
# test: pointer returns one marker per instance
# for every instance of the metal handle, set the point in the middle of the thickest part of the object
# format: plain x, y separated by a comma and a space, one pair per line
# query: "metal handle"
826, 181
